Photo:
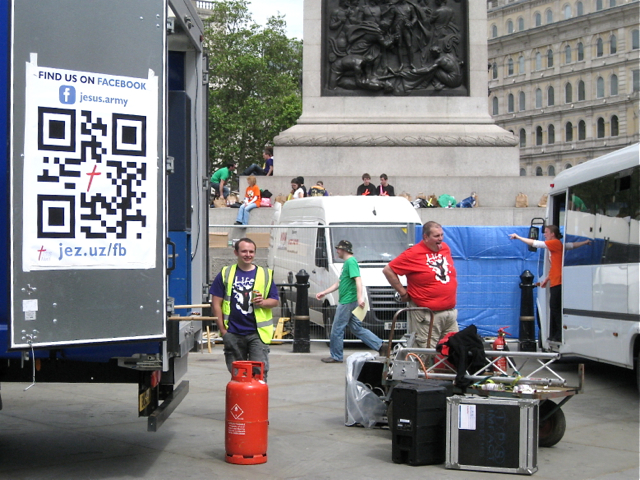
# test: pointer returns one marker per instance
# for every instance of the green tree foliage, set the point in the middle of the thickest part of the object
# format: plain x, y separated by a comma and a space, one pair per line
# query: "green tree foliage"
254, 83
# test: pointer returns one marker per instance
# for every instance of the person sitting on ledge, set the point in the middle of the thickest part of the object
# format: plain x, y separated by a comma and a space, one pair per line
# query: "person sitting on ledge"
366, 188
266, 169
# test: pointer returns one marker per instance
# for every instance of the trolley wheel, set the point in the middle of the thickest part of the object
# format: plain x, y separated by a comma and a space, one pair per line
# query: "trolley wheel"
552, 429
390, 414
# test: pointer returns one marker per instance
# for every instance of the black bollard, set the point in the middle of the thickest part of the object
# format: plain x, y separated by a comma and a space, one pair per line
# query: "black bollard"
527, 338
301, 318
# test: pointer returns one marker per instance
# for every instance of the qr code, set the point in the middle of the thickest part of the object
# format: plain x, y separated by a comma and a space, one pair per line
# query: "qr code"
92, 180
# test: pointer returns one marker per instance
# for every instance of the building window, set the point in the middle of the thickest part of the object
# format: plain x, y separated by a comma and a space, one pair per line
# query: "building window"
538, 135
551, 135
582, 130
568, 132
612, 3
523, 138
520, 24
635, 39
495, 105
538, 19
614, 85
551, 101
538, 61
494, 70
567, 12
600, 87
549, 16
581, 91
599, 48
538, 98
598, 5
568, 93
567, 54
614, 126
510, 102
636, 80
600, 132
494, 31
613, 45
568, 166
521, 65
579, 8
510, 67
538, 171
580, 52
523, 172
509, 26
549, 58
551, 171
521, 101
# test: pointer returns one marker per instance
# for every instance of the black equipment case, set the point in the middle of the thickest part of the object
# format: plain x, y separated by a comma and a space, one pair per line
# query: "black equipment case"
492, 434
418, 425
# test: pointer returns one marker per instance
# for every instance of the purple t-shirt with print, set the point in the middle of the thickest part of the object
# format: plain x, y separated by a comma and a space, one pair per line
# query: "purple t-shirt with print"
242, 320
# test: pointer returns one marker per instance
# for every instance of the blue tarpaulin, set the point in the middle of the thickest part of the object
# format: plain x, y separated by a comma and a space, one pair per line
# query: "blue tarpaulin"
489, 265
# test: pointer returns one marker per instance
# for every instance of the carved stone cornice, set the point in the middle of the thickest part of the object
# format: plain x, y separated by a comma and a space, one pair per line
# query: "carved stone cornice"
432, 140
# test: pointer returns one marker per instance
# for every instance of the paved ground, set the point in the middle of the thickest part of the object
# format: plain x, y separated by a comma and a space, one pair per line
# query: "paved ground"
92, 432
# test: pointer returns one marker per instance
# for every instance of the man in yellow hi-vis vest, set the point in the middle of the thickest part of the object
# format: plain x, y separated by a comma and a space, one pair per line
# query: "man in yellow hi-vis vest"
242, 298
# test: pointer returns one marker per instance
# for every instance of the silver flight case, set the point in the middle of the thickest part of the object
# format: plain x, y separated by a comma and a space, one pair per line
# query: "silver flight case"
492, 434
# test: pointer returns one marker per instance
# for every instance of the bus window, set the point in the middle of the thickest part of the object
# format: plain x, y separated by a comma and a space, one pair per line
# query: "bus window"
559, 207
606, 209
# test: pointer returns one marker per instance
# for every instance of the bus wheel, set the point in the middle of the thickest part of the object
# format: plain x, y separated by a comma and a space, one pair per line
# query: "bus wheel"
552, 429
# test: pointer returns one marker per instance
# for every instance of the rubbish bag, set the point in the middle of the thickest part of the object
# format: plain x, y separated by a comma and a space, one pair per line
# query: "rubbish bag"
362, 405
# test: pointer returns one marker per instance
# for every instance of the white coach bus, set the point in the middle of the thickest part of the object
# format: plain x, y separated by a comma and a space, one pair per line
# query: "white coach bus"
598, 200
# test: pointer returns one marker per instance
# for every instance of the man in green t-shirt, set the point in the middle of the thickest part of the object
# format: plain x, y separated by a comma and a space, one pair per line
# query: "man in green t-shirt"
220, 178
351, 294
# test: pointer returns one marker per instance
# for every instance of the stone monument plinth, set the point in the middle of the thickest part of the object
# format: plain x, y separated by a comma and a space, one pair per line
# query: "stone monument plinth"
398, 87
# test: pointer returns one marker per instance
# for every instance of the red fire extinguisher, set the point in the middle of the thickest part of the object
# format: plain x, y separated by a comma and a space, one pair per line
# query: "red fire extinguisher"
246, 418
500, 344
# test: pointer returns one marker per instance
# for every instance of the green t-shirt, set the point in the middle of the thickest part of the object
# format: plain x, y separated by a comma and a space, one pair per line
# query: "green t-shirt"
222, 174
347, 288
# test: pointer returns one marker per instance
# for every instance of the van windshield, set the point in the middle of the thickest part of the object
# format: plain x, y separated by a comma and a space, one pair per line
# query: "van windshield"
378, 243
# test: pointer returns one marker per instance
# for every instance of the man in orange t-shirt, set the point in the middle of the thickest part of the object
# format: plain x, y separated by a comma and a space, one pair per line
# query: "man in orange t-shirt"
553, 244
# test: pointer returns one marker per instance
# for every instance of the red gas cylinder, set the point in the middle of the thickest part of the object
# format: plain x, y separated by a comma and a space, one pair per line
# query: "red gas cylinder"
247, 414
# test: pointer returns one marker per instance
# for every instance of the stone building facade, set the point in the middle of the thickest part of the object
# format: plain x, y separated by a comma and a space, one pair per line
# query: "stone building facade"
564, 77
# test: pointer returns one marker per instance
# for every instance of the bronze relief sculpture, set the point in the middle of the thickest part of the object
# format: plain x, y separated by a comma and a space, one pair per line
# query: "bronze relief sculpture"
395, 47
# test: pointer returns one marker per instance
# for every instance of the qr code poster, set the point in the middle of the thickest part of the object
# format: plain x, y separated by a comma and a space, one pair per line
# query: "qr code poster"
90, 170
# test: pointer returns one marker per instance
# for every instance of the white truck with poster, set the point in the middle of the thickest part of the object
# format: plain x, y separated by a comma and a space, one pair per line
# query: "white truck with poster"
105, 207
380, 228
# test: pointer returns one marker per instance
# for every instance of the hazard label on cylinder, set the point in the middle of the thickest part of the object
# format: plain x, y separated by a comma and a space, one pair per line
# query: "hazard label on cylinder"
236, 428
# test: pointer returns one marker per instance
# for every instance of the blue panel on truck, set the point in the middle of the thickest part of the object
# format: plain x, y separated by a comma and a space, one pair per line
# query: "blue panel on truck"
180, 276
4, 172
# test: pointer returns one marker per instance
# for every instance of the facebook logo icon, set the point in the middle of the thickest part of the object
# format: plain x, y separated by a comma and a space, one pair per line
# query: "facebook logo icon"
67, 94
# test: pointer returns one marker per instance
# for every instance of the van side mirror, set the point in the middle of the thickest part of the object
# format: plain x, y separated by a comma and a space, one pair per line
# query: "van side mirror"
534, 232
321, 258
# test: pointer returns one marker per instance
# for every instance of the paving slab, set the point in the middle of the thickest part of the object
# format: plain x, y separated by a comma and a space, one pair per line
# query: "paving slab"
55, 431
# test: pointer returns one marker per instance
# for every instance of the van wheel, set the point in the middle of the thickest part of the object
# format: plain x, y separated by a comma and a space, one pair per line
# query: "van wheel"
328, 312
552, 429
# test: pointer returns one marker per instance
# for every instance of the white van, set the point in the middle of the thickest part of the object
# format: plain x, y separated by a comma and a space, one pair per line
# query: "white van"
380, 228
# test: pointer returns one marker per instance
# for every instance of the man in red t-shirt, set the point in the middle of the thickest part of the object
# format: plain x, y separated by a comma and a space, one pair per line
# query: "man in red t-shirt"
431, 283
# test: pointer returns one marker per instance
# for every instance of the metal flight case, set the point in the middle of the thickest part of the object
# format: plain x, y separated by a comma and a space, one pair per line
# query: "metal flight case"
492, 434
